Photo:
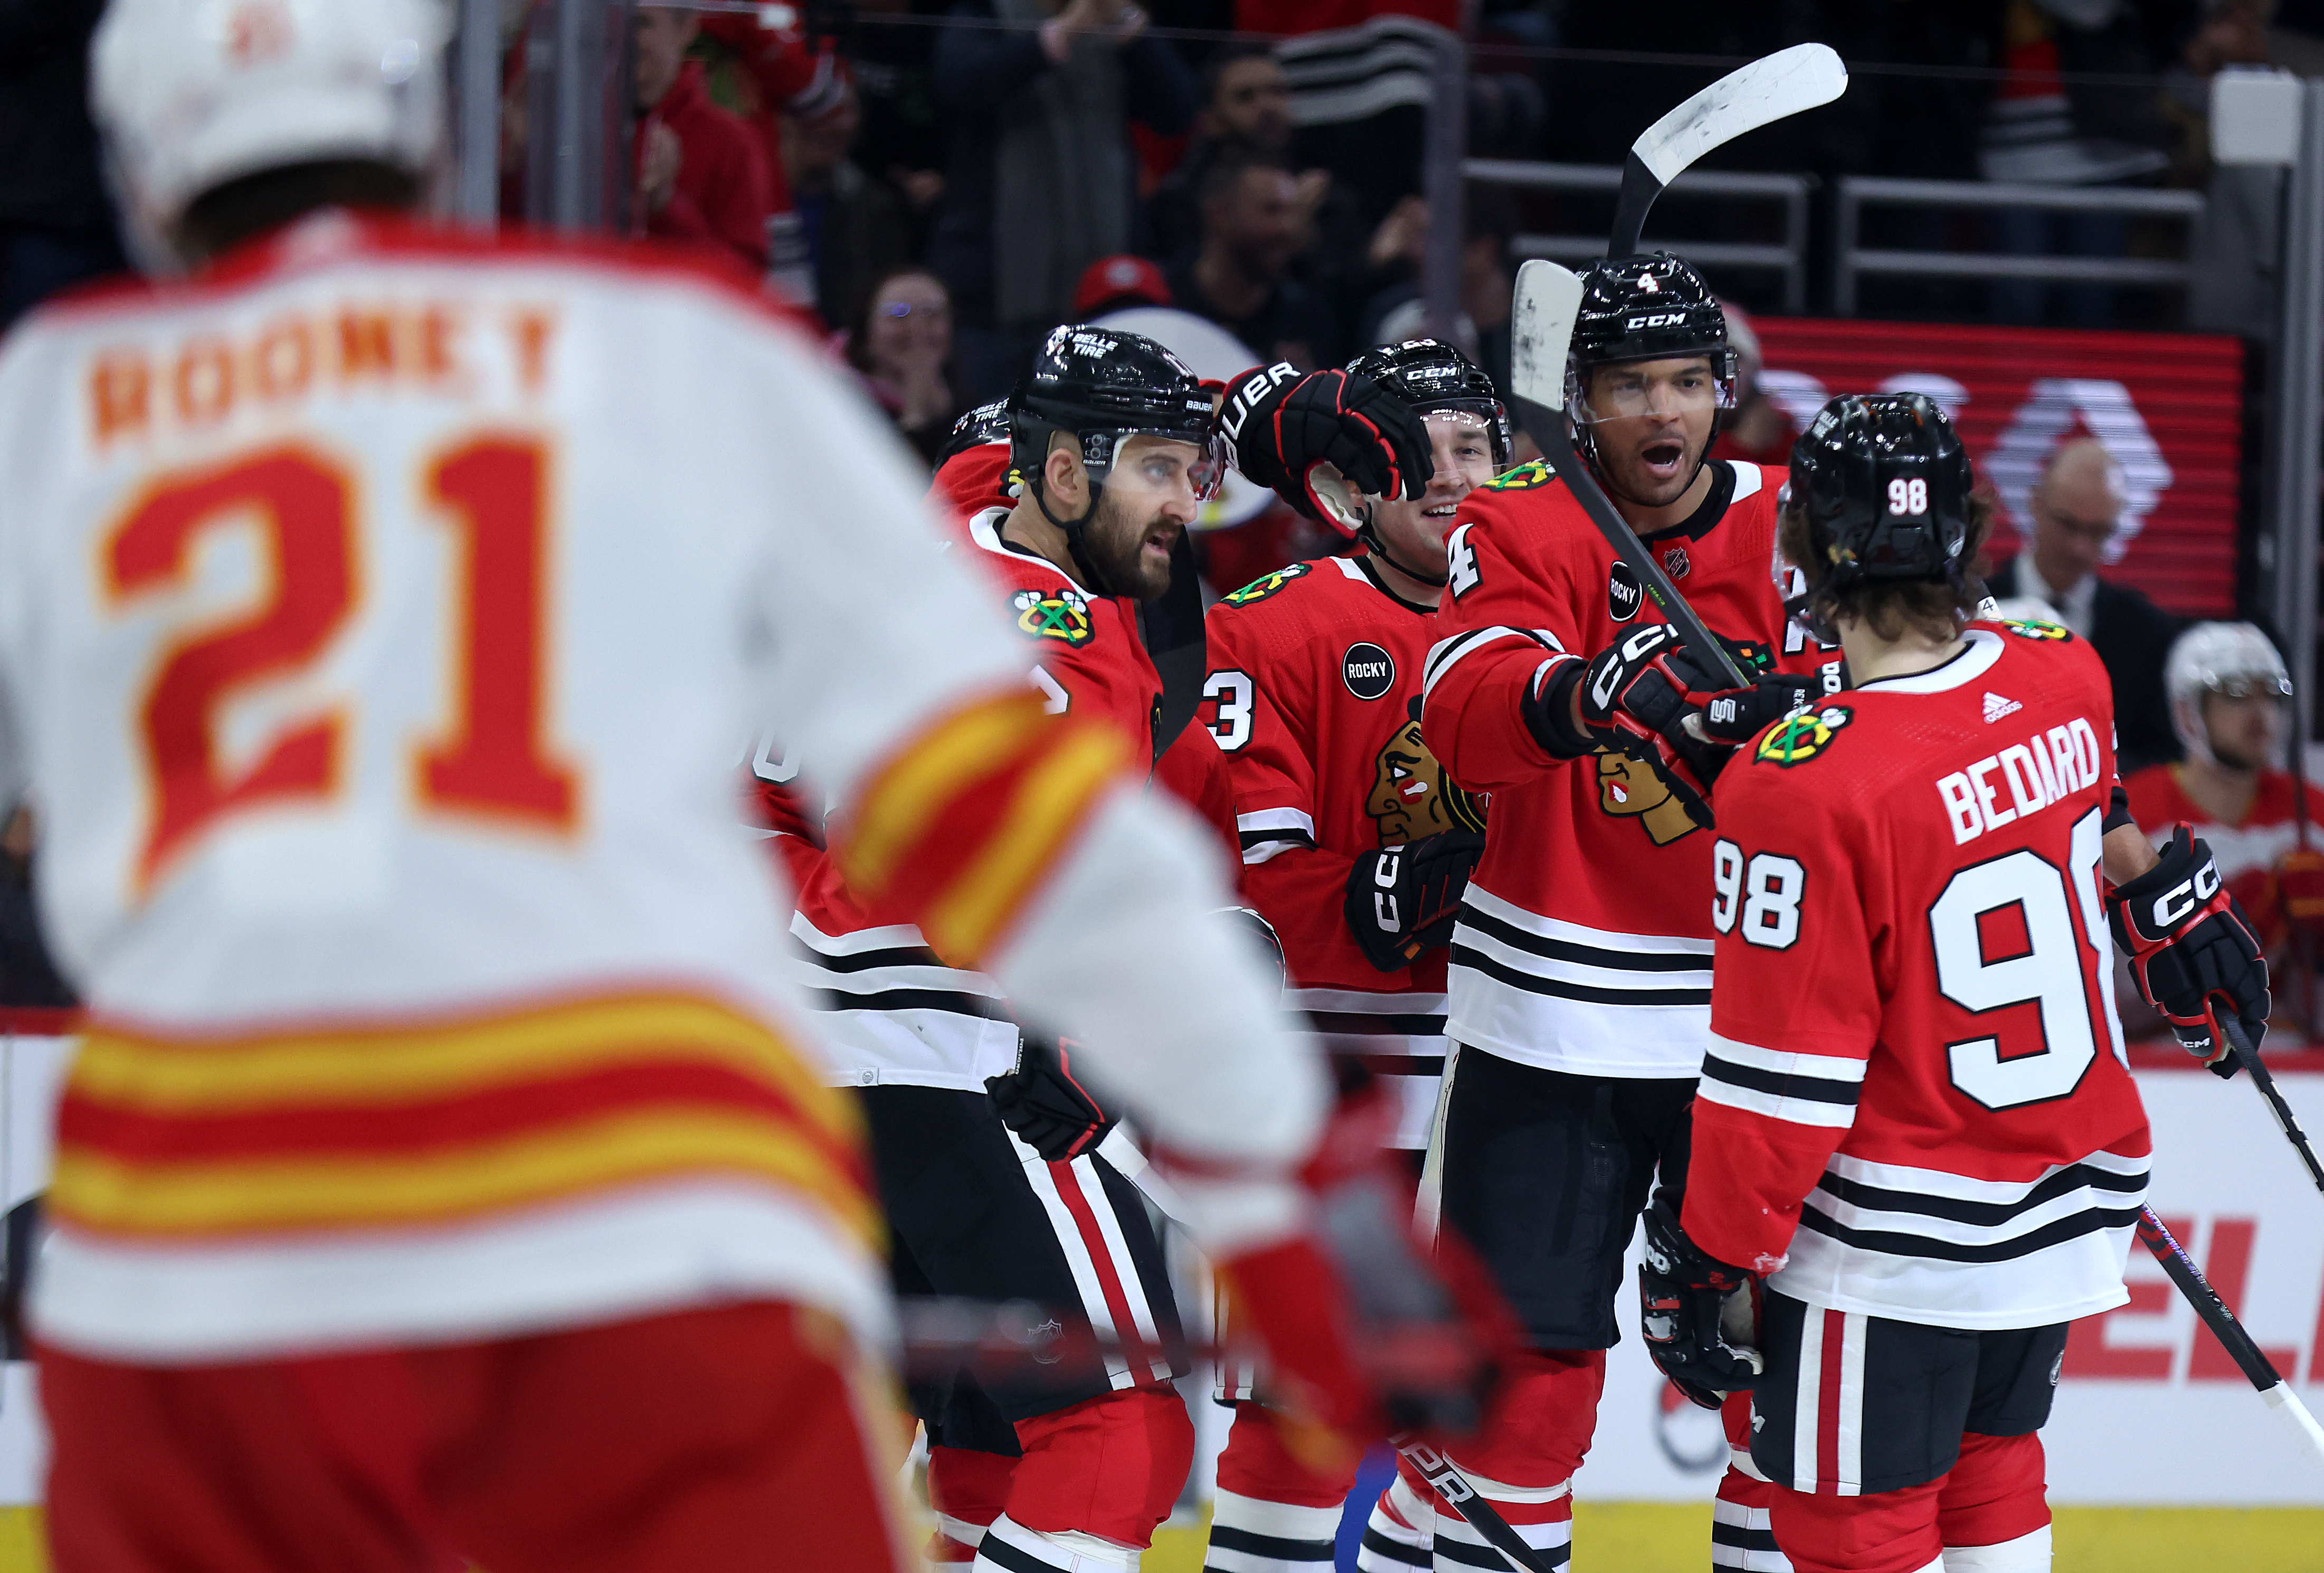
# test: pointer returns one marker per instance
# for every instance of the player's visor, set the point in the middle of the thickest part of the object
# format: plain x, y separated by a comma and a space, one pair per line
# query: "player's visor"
1676, 385
1203, 462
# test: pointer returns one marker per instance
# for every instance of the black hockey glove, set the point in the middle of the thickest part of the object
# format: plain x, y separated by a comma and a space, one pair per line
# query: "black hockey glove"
1281, 424
1044, 1105
1401, 900
1636, 697
1690, 1307
2192, 950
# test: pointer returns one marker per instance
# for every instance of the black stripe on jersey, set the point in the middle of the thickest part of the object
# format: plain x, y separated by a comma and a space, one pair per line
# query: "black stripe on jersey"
1403, 1064
1287, 837
1451, 649
1016, 1559
1365, 1024
1449, 1550
864, 960
1396, 1550
1782, 1084
1743, 1539
2090, 1220
1591, 994
1985, 1214
1275, 1547
1508, 933
955, 1002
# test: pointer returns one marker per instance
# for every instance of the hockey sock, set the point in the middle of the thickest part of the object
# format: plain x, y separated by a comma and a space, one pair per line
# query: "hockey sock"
2028, 1553
1542, 1516
1400, 1536
1251, 1536
967, 1491
1011, 1548
1741, 1535
1885, 1531
1109, 1468
1994, 1498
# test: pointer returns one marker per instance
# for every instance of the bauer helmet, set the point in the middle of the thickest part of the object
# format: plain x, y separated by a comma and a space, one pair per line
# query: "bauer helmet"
1884, 483
1429, 375
1653, 307
2231, 658
193, 94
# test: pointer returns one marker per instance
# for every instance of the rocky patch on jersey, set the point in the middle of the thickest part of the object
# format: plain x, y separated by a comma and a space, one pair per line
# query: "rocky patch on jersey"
2035, 629
1260, 589
1623, 596
1411, 795
1533, 473
1063, 615
1630, 788
1368, 670
1801, 737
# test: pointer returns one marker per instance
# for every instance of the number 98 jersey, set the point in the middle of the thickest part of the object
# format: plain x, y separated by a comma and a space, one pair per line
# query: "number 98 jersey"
1915, 1100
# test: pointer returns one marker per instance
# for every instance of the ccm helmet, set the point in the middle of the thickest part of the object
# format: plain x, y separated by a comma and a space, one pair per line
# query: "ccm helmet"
1885, 485
2231, 658
1653, 307
192, 95
1427, 375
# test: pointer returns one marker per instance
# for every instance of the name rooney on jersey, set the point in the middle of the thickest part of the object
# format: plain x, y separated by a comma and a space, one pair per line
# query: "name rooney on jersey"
2042, 770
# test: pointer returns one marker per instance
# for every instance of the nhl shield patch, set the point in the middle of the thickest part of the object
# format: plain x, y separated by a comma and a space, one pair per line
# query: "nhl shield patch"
1801, 737
1260, 589
1063, 615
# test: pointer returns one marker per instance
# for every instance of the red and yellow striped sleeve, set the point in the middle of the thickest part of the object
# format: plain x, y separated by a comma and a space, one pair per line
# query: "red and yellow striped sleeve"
956, 831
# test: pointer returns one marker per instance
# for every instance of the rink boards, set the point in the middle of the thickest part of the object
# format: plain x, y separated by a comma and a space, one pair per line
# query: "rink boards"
2149, 1411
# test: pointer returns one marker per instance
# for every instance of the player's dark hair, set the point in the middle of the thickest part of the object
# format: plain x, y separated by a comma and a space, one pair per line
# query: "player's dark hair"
1937, 608
224, 217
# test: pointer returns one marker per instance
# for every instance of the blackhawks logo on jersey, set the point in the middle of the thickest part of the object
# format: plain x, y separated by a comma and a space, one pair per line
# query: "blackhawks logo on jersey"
1063, 615
1630, 788
1411, 795
1802, 737
1527, 477
1260, 589
2033, 628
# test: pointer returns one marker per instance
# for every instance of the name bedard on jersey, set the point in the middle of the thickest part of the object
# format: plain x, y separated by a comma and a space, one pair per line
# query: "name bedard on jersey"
1584, 943
1912, 1018
1314, 694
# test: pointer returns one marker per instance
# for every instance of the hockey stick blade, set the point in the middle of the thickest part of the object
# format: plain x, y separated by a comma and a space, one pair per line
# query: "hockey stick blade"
1541, 326
1769, 88
2239, 1045
2255, 1365
1447, 1481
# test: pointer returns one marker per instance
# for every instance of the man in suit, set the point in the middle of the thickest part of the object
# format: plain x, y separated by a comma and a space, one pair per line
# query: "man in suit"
2077, 509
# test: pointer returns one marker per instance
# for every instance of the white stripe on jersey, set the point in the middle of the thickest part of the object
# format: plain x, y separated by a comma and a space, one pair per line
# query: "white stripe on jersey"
1818, 1090
890, 1012
1446, 653
1394, 1026
1266, 831
1921, 1246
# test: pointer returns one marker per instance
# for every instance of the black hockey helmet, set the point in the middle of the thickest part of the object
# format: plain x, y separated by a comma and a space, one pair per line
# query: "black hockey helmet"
1653, 307
1102, 385
1884, 483
1429, 374
987, 423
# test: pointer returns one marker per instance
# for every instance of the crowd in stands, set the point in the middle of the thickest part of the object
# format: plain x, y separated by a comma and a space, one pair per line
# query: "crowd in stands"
941, 181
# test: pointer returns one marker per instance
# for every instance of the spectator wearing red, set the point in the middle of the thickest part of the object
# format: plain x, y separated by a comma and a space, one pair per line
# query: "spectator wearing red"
701, 172
1117, 282
791, 75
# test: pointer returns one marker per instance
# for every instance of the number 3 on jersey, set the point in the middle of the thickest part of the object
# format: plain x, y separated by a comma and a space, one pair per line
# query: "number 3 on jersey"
491, 759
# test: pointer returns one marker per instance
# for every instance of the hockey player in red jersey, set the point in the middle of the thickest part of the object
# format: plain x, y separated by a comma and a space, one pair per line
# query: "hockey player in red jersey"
1915, 1115
973, 468
1579, 968
1356, 847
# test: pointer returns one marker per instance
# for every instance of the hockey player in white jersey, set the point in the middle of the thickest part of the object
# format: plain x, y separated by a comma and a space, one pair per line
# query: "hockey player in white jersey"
443, 1177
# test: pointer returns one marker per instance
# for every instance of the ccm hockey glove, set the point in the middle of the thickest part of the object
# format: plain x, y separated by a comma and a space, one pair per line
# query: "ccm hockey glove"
1283, 427
1689, 1307
1401, 900
2192, 950
1043, 1102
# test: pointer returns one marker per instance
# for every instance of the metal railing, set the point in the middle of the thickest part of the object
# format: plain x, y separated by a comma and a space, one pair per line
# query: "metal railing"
1787, 258
1851, 260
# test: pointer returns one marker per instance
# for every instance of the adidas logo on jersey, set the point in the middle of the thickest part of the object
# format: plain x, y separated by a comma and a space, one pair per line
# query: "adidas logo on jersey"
1996, 707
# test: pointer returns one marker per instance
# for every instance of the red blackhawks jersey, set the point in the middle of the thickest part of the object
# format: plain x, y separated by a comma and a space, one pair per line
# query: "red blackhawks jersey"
896, 1014
1314, 694
1915, 1098
1584, 943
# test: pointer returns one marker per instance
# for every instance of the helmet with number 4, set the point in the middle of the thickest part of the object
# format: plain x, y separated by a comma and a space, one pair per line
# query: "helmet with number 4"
1885, 485
193, 94
2234, 659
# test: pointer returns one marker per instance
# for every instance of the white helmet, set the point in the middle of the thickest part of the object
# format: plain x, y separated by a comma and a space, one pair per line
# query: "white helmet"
191, 94
2234, 659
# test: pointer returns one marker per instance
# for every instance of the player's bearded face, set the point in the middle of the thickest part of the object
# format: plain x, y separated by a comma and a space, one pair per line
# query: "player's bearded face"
1147, 503
1462, 446
1651, 422
2247, 732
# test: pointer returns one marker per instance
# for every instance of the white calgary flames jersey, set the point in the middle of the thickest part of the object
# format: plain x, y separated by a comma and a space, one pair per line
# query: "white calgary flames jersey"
376, 616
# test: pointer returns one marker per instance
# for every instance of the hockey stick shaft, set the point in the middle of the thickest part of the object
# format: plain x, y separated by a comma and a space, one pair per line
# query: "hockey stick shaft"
1447, 1481
2239, 1045
2256, 1367
1548, 429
